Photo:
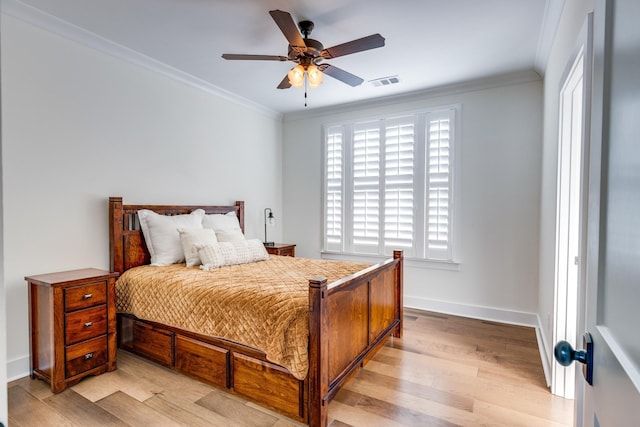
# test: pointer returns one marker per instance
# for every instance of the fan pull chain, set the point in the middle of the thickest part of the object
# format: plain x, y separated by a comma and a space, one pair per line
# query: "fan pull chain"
305, 92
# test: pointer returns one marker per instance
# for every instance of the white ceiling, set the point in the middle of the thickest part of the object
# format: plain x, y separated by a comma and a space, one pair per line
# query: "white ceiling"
429, 43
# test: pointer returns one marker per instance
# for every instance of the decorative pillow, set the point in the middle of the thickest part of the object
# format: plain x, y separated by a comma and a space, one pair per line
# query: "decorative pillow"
226, 226
161, 234
214, 255
192, 236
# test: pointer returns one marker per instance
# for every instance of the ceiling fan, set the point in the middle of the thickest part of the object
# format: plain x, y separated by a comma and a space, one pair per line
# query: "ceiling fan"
309, 54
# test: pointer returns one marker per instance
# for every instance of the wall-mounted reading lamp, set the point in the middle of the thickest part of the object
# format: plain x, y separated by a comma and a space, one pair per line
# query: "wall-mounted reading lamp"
269, 220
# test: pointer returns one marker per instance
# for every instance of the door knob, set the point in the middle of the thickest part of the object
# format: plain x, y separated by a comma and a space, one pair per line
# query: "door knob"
565, 355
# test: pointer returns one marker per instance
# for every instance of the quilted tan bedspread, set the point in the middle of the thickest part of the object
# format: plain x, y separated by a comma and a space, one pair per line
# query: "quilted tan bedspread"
264, 305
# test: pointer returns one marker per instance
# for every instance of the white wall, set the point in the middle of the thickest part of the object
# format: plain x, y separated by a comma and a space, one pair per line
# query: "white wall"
573, 17
80, 126
500, 193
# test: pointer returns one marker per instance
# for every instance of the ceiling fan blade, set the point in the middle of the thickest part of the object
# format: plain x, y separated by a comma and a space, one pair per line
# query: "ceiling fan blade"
340, 74
370, 42
234, 56
288, 27
284, 84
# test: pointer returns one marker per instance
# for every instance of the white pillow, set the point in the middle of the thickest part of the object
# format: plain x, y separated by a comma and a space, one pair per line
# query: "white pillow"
192, 236
226, 226
214, 255
161, 234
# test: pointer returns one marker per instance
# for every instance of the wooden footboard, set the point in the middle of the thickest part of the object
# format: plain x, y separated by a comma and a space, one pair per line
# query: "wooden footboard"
348, 321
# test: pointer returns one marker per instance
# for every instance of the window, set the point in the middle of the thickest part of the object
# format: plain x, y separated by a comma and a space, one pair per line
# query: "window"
388, 184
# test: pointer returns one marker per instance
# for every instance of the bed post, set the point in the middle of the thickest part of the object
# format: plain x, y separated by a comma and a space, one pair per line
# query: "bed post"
399, 311
116, 249
318, 353
240, 205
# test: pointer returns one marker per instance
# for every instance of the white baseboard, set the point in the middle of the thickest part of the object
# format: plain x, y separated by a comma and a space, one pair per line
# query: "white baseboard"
544, 353
492, 314
18, 368
473, 311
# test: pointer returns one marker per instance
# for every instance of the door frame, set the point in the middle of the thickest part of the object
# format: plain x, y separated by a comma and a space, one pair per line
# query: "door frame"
583, 49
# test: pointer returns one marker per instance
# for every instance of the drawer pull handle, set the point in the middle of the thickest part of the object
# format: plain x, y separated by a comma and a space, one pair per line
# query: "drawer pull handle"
87, 296
88, 356
88, 324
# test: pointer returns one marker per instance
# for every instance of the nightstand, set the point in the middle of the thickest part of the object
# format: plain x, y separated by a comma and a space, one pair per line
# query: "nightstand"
72, 318
284, 249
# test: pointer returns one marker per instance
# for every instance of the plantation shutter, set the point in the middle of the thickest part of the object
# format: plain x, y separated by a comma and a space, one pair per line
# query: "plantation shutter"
334, 192
366, 188
389, 185
438, 245
399, 184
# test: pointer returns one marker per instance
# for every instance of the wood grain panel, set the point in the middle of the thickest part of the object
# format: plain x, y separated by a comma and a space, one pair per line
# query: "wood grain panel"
235, 411
133, 412
86, 356
79, 409
396, 413
85, 296
185, 413
112, 324
85, 324
280, 390
206, 361
41, 330
38, 389
347, 311
156, 344
382, 304
26, 410
137, 253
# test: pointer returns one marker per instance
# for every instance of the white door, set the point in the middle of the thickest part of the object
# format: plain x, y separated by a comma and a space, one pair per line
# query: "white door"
613, 252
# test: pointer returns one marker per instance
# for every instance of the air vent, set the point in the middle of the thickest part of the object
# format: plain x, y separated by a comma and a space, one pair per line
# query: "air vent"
385, 81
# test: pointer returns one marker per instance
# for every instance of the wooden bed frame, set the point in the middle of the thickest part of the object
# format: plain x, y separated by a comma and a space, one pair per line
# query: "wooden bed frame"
349, 320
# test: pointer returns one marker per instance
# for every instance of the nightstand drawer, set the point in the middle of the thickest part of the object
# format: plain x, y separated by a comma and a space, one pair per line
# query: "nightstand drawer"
289, 251
86, 356
84, 324
85, 296
282, 249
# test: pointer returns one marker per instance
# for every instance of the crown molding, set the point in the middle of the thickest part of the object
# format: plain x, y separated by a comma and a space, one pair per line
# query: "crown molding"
452, 89
67, 30
548, 30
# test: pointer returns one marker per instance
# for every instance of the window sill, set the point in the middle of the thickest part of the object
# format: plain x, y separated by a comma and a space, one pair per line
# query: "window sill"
430, 264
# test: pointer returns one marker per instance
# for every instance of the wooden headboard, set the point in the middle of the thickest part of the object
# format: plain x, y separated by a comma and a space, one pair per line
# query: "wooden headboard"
127, 248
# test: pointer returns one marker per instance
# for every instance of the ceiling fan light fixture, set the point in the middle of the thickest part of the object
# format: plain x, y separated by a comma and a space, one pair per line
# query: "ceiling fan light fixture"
315, 76
296, 76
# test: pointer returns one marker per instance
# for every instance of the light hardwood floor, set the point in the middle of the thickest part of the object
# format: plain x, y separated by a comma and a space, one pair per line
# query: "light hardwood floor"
445, 371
